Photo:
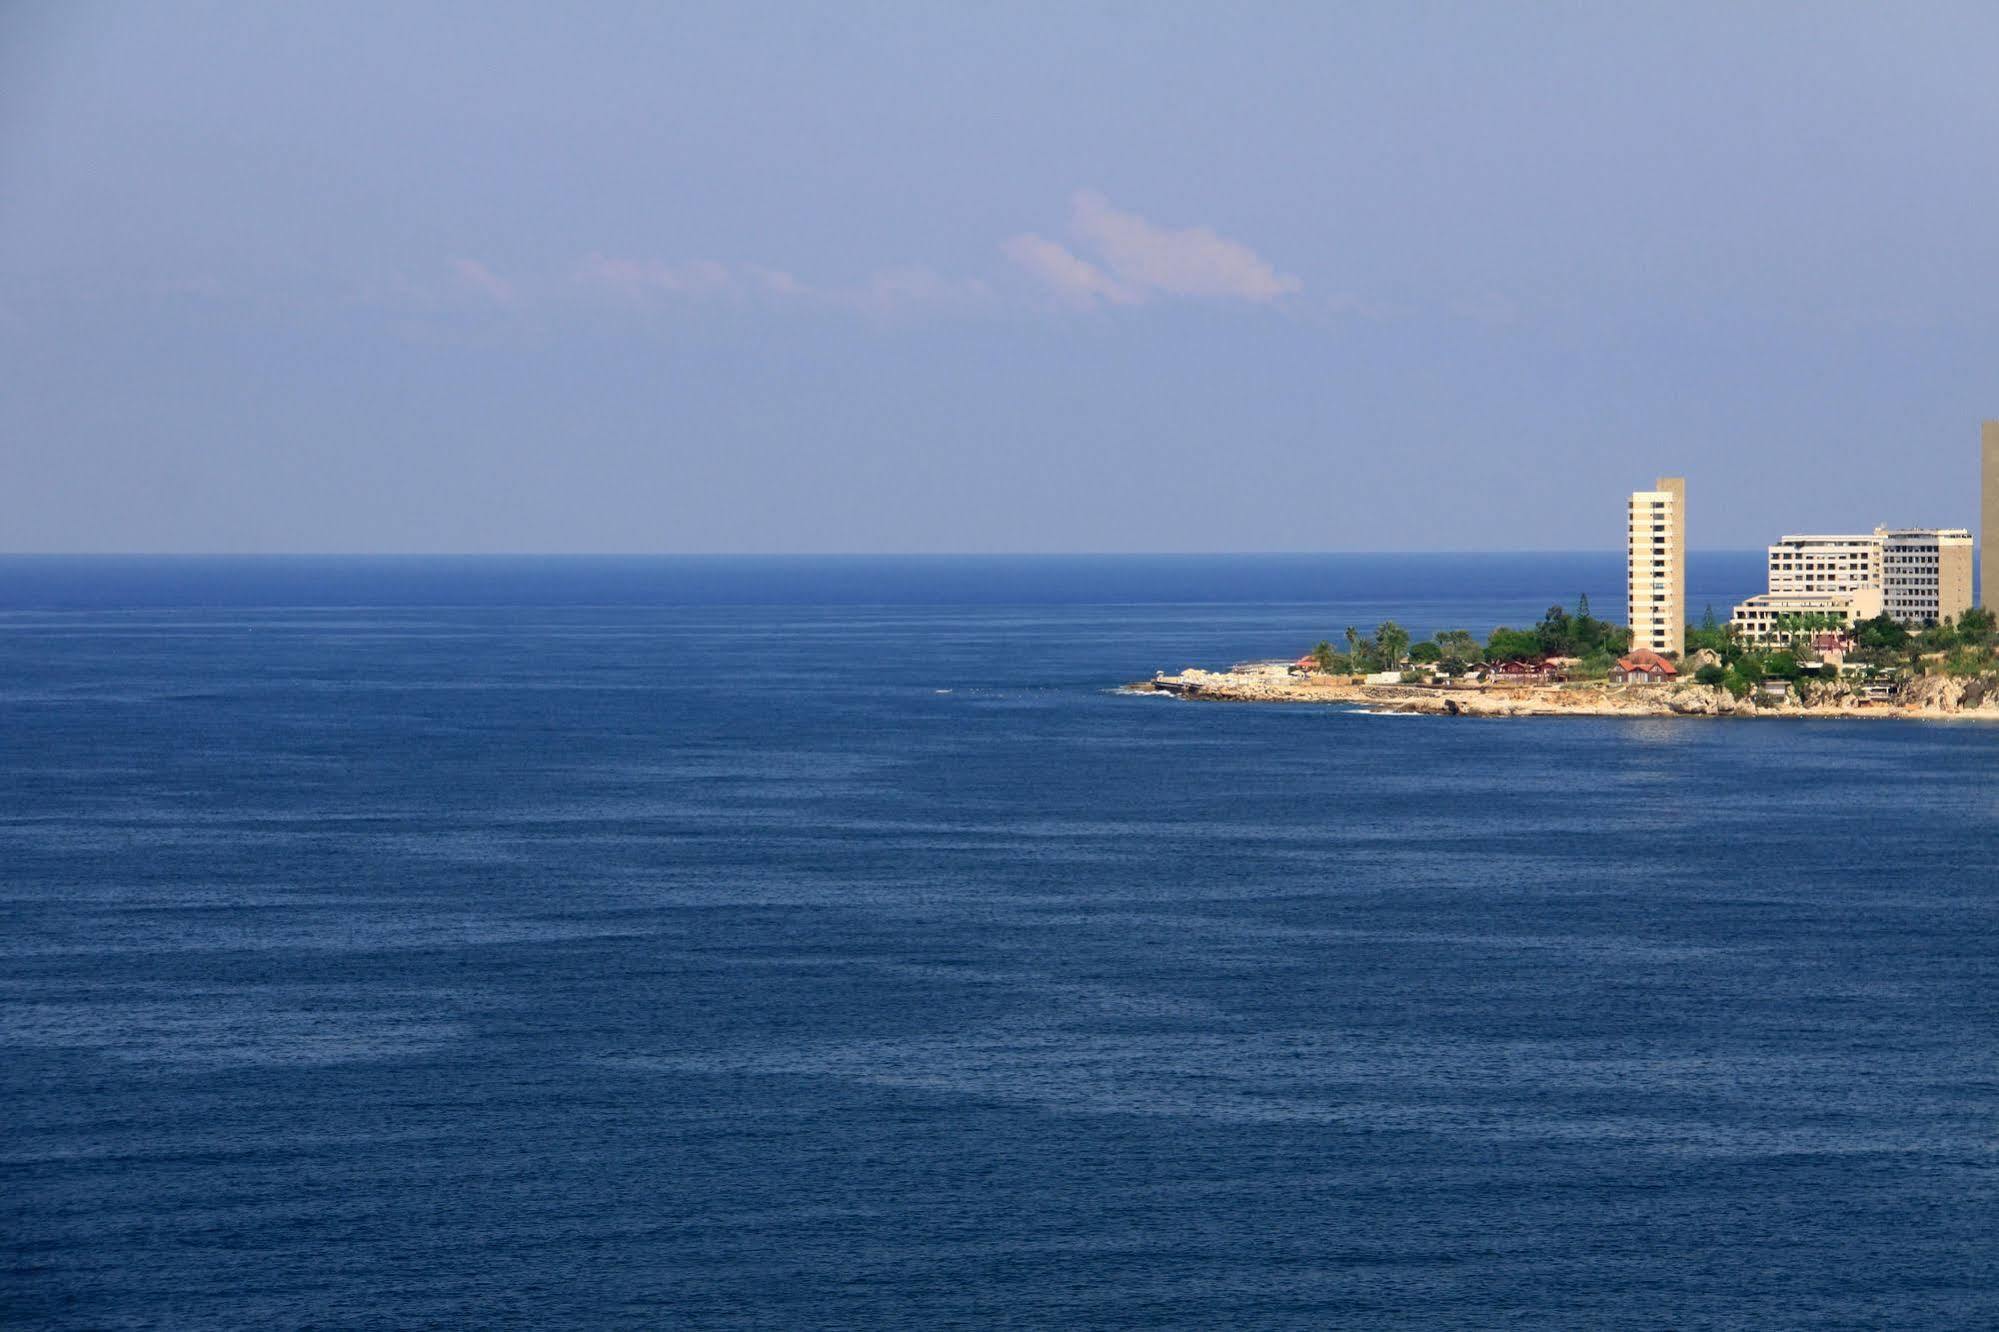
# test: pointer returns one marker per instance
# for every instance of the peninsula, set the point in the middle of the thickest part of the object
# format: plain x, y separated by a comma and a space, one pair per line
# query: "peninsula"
1572, 664
1877, 624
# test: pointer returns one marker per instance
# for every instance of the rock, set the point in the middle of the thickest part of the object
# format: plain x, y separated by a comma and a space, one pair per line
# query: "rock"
1951, 693
1835, 693
1708, 701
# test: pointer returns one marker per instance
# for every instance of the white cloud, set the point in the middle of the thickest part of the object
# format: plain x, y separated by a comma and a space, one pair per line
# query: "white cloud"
1137, 259
1077, 281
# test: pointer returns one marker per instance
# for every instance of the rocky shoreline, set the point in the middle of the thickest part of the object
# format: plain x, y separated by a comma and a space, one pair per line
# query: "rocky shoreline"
1929, 696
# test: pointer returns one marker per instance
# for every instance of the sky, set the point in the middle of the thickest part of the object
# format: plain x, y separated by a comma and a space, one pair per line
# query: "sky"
920, 277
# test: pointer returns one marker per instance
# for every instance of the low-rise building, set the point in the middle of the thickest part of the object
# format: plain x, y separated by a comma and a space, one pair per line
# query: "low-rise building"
1777, 617
1525, 672
1643, 666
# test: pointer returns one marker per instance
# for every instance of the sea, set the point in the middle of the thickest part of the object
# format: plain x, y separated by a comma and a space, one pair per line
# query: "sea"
829, 943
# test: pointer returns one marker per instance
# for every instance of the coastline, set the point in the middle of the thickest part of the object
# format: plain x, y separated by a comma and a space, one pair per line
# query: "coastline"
1563, 700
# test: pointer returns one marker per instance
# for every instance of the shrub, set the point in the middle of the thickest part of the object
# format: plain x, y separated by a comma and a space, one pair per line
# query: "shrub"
1595, 666
1964, 663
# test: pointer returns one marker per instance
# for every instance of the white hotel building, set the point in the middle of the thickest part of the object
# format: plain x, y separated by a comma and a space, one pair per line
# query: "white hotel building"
1918, 575
1925, 573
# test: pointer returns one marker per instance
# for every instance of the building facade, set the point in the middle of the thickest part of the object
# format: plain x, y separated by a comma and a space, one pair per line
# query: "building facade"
1925, 574
1826, 563
1777, 617
1922, 573
1656, 566
1988, 512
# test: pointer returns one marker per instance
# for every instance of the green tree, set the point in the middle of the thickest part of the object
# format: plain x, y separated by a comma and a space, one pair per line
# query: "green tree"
1557, 633
1936, 638
1709, 634
1881, 632
1323, 656
1711, 675
1425, 653
1458, 645
1512, 645
1353, 643
1391, 641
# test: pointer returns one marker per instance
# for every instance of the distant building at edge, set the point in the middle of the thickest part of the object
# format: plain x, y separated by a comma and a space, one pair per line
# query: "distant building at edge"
1988, 514
1656, 566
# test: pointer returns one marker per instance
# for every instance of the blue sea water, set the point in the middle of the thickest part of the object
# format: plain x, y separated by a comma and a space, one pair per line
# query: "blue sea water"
826, 944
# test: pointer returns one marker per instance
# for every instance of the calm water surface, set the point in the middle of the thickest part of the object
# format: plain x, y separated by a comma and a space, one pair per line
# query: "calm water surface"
402, 945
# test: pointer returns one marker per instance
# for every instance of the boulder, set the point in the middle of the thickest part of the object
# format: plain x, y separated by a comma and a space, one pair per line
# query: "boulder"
1708, 701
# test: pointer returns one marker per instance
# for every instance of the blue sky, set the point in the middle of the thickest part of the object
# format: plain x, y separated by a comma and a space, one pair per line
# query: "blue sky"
923, 277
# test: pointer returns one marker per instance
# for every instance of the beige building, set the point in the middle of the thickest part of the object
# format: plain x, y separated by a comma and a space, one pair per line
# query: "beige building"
1656, 566
1988, 512
1922, 573
1925, 573
1764, 617
1826, 563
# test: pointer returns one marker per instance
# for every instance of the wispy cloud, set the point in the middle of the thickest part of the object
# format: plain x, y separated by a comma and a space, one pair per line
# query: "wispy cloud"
1124, 260
891, 293
900, 291
475, 278
640, 278
1075, 280
1136, 259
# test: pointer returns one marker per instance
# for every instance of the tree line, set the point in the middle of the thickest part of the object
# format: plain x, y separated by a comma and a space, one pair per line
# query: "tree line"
1455, 652
1967, 646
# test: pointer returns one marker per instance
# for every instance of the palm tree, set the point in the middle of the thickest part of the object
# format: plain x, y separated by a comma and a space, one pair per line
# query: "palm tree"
1392, 640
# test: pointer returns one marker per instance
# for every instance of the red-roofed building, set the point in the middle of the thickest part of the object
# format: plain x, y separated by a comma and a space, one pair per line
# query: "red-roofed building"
1643, 666
1524, 672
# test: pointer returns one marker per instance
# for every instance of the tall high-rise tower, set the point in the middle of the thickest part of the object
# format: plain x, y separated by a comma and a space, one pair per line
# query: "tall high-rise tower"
1988, 515
1656, 566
